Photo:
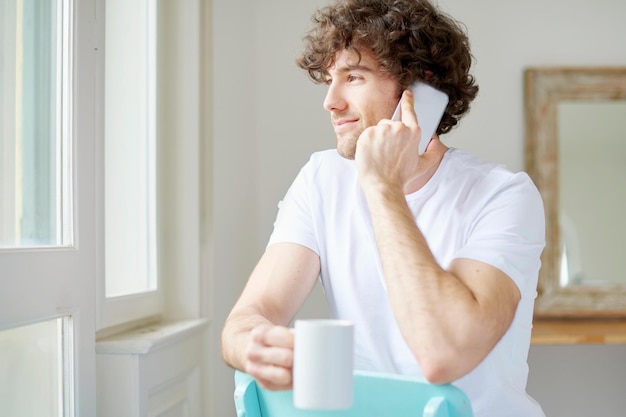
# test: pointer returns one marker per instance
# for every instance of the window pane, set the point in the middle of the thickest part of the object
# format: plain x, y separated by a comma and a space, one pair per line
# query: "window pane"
32, 142
35, 377
130, 73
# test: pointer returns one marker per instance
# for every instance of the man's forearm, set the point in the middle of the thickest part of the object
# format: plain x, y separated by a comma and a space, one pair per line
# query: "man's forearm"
418, 287
439, 315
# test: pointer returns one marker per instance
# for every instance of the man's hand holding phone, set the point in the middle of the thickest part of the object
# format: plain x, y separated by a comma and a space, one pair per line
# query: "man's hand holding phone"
429, 105
388, 153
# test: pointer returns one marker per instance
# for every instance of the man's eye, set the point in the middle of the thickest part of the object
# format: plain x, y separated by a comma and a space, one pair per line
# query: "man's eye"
352, 78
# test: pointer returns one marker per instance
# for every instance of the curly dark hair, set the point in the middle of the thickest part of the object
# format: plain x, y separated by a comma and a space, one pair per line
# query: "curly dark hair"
411, 39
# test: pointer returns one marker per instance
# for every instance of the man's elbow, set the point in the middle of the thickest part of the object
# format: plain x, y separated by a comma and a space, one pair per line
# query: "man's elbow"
437, 373
445, 369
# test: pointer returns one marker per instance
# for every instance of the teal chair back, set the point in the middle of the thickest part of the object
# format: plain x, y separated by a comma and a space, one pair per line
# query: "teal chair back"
375, 395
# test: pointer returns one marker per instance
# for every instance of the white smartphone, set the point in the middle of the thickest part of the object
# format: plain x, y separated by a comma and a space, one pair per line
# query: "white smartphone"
430, 105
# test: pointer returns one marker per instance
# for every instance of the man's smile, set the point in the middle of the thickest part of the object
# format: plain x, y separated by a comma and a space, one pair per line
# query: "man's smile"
344, 123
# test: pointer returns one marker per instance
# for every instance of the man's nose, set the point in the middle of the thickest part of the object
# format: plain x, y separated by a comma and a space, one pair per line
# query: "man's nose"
334, 100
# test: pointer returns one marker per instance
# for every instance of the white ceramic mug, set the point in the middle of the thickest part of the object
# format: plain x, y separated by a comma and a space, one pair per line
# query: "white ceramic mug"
323, 364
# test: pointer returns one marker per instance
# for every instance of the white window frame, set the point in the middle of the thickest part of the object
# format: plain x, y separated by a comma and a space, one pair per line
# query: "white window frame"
182, 180
157, 355
115, 313
39, 284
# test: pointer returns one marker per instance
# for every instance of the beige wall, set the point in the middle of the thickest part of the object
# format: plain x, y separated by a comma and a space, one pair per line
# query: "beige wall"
268, 118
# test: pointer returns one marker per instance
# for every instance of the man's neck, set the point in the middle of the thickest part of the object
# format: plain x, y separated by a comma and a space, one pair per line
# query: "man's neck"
428, 164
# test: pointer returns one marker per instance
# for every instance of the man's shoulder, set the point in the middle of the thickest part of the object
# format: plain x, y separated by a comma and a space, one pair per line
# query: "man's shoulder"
475, 168
472, 164
480, 180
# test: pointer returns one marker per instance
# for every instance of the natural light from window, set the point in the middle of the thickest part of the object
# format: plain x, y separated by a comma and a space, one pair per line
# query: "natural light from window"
36, 369
35, 200
130, 141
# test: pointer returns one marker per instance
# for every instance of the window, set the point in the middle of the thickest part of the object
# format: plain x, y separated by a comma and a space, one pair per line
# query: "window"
36, 362
47, 216
131, 286
130, 142
67, 200
34, 145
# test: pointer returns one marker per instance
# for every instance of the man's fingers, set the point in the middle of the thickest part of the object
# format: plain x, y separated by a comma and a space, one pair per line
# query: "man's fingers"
277, 356
270, 377
258, 333
409, 117
273, 336
269, 357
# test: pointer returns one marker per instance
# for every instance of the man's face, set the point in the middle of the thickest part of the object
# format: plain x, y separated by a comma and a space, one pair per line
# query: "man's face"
359, 95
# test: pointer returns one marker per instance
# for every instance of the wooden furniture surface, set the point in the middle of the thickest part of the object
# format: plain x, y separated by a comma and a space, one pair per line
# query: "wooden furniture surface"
548, 332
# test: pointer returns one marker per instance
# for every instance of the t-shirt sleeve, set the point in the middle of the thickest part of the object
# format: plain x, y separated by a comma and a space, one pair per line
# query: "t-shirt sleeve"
509, 231
295, 221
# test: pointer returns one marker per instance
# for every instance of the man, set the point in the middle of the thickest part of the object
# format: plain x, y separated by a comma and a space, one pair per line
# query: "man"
435, 257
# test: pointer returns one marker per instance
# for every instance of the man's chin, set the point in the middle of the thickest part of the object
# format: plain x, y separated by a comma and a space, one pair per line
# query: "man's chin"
347, 148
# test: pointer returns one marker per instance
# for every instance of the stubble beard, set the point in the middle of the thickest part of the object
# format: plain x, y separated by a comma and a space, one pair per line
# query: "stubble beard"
346, 146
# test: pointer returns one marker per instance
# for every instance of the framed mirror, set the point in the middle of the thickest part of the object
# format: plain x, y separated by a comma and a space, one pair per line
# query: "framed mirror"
576, 154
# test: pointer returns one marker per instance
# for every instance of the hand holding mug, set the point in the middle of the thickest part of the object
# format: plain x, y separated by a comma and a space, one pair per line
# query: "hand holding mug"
269, 356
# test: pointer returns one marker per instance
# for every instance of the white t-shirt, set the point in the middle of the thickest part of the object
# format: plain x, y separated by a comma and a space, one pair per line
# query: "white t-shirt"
469, 209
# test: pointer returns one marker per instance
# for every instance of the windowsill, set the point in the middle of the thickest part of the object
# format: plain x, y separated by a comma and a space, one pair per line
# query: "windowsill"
152, 337
572, 332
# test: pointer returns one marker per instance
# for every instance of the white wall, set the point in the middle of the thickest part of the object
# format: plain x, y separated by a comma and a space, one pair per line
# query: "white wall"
268, 118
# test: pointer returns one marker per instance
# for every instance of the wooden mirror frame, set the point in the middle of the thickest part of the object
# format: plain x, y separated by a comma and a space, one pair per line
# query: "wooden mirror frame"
545, 88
